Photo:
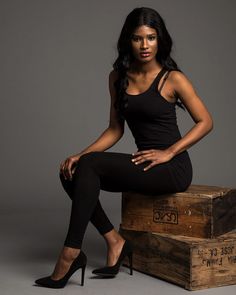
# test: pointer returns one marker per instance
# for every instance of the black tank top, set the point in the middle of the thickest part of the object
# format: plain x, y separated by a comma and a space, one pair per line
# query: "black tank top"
151, 118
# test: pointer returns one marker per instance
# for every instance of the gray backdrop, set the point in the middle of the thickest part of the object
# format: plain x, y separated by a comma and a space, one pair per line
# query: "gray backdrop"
55, 60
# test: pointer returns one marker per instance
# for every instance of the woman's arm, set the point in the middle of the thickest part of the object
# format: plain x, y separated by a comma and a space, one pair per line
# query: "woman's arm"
115, 129
204, 123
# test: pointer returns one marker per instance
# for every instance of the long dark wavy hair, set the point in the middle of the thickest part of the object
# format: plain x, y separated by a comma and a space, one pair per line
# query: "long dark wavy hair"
138, 17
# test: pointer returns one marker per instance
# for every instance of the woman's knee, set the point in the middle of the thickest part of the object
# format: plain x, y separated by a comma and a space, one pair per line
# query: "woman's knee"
88, 158
89, 155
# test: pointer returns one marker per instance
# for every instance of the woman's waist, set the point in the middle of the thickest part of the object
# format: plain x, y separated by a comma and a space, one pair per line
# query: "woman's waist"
161, 147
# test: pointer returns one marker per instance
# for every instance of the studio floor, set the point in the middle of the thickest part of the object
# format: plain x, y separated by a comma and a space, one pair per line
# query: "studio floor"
30, 243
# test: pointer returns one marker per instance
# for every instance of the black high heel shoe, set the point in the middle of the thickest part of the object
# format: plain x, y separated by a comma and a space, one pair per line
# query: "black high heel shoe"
79, 262
111, 271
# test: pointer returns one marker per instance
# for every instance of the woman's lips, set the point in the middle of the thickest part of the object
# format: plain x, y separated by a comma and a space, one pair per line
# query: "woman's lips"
145, 54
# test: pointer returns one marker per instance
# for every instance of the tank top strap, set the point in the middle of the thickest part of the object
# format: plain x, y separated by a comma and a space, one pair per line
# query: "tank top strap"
158, 78
163, 82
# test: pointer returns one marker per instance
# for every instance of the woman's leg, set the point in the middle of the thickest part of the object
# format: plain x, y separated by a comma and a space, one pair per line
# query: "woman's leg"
99, 218
112, 172
107, 171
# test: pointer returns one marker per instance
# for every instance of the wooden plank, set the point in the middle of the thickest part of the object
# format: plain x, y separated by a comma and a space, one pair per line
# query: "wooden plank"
193, 263
201, 211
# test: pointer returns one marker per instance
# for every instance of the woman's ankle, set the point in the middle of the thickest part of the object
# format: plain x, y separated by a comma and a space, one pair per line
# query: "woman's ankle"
113, 238
70, 253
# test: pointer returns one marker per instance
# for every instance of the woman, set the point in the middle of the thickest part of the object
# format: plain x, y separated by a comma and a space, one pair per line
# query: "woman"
145, 86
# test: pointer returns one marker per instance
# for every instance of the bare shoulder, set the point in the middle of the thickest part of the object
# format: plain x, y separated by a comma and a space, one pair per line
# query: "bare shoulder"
177, 77
181, 84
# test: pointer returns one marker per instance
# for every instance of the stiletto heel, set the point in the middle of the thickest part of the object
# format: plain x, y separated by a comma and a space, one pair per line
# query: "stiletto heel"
79, 262
111, 271
82, 276
131, 263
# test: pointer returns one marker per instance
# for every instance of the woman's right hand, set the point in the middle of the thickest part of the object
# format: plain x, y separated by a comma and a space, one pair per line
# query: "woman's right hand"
67, 168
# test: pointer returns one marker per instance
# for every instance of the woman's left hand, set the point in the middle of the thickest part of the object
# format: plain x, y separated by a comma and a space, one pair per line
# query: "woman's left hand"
153, 155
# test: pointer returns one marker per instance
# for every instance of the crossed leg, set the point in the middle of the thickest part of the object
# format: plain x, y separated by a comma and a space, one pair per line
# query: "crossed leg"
109, 171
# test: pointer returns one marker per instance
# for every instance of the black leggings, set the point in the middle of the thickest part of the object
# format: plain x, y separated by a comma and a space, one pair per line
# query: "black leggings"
114, 172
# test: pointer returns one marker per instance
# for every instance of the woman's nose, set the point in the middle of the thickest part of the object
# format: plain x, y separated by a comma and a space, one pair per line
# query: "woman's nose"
144, 44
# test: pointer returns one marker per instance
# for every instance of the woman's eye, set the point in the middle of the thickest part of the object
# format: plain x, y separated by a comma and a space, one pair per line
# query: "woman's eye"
135, 38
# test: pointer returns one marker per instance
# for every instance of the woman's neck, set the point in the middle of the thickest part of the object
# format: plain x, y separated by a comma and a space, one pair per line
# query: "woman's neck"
145, 68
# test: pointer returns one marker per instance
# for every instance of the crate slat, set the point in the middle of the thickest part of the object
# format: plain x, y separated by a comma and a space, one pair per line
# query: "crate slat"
193, 263
201, 211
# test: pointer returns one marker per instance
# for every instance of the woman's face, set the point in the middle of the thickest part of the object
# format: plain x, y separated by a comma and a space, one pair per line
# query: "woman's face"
144, 39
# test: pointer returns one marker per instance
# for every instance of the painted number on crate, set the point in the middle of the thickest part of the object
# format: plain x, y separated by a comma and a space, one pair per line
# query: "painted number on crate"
217, 256
165, 215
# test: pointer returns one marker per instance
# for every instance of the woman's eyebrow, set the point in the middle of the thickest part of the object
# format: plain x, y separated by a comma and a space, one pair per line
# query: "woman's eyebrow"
146, 35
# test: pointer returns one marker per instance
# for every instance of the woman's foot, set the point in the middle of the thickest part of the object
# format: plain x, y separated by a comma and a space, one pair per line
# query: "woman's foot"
66, 257
115, 244
113, 270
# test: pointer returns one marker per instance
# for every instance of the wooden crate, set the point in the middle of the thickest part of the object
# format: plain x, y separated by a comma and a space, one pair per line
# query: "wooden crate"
193, 263
201, 211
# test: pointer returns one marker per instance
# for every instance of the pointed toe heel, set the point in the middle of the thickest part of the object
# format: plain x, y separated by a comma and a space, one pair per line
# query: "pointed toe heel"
112, 271
79, 262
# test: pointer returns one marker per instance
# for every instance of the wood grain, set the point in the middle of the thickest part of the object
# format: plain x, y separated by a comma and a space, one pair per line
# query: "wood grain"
193, 263
201, 211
